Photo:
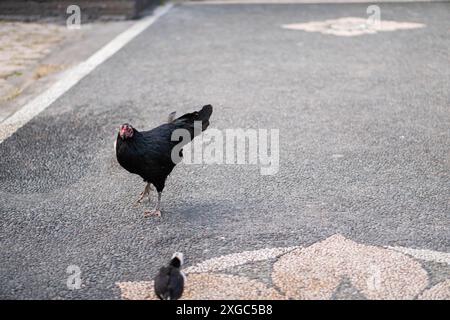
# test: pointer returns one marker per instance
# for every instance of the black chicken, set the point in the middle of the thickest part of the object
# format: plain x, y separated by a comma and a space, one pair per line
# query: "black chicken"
149, 153
169, 282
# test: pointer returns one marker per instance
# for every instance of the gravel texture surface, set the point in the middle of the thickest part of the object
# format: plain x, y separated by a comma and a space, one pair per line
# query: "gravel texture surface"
364, 156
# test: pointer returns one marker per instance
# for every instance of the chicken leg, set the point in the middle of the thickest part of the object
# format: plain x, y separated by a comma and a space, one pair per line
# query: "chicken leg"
144, 193
156, 211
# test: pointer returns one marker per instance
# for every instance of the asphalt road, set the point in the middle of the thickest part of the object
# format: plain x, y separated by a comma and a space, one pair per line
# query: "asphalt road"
364, 147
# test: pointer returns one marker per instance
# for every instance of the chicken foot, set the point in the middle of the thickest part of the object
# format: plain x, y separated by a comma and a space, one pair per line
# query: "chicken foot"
145, 193
156, 211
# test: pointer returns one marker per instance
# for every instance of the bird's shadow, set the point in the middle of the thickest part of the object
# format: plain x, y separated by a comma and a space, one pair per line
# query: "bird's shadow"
199, 211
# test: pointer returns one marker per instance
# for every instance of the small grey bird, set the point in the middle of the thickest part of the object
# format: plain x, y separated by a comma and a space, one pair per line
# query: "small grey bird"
169, 282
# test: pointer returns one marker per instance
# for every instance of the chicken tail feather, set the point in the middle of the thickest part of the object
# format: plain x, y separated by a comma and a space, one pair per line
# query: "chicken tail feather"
187, 121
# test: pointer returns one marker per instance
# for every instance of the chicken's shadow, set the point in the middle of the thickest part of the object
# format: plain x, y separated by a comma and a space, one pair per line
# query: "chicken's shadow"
205, 211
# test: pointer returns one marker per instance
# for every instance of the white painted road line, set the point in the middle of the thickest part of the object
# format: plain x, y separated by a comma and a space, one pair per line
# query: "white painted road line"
240, 258
72, 76
424, 254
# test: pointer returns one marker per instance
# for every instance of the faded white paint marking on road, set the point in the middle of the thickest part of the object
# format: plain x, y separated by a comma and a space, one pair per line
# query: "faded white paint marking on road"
424, 254
237, 259
352, 26
377, 273
72, 76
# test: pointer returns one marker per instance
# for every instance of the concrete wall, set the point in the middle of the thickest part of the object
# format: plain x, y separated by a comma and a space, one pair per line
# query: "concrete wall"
90, 9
